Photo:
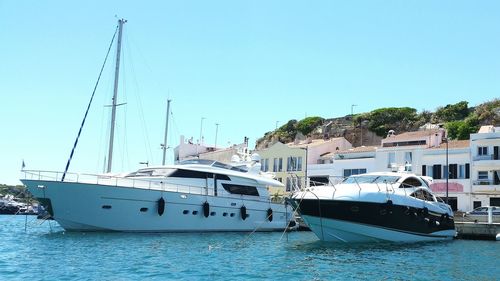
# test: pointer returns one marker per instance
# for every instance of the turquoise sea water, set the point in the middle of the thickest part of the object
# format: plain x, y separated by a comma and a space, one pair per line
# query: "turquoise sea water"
46, 252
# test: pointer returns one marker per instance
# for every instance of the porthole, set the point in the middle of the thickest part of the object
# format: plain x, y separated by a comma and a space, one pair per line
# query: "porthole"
107, 207
185, 212
233, 204
232, 214
144, 210
224, 214
195, 212
212, 214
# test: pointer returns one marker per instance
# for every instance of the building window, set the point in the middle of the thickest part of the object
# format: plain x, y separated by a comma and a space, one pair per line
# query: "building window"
461, 171
453, 202
476, 204
280, 165
482, 150
288, 184
391, 158
445, 172
453, 170
275, 165
429, 171
292, 163
350, 172
265, 165
482, 175
299, 164
436, 171
408, 157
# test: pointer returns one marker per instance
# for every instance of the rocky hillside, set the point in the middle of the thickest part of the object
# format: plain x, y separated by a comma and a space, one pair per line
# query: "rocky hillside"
369, 128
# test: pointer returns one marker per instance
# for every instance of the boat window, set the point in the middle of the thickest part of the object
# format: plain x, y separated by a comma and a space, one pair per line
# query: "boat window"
411, 182
242, 169
239, 168
386, 179
241, 189
418, 194
428, 196
371, 179
180, 173
360, 179
422, 195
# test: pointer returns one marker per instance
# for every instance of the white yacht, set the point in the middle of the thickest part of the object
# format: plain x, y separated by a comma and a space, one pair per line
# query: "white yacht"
389, 206
194, 196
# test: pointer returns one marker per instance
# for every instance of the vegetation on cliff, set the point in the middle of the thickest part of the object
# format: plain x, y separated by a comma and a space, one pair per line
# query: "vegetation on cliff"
459, 119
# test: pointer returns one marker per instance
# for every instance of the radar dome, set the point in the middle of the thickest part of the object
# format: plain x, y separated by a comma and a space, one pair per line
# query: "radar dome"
255, 157
235, 158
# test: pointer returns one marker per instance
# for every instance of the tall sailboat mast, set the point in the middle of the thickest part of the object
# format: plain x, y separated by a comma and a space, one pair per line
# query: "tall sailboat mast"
115, 91
166, 132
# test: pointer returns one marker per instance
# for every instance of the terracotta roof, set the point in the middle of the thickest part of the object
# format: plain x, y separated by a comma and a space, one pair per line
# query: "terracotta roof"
314, 142
453, 144
411, 135
358, 149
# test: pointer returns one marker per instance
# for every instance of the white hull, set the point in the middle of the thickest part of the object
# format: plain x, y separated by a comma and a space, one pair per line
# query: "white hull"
333, 230
92, 207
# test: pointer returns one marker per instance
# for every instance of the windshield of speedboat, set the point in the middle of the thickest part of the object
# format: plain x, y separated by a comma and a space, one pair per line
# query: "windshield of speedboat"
213, 164
371, 179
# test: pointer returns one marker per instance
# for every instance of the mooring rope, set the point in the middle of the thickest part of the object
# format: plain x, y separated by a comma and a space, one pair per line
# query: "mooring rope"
88, 107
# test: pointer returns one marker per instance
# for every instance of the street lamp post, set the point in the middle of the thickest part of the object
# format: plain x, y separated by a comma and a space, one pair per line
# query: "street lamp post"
447, 170
216, 130
352, 117
201, 131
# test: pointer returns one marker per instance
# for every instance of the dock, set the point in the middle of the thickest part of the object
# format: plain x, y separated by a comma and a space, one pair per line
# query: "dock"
477, 230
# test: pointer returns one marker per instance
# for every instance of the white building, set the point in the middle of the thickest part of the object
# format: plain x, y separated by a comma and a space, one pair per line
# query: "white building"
485, 172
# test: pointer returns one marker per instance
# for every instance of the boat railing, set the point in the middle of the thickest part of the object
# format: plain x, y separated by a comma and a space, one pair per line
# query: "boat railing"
122, 181
114, 180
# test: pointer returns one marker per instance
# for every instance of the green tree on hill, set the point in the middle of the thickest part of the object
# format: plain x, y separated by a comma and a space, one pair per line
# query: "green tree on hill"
307, 125
381, 120
451, 112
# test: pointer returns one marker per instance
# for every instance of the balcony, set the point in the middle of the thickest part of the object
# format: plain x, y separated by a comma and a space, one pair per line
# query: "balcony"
485, 186
484, 182
484, 157
486, 161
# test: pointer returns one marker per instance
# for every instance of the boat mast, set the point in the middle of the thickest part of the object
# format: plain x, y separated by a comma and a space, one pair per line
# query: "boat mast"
113, 106
166, 132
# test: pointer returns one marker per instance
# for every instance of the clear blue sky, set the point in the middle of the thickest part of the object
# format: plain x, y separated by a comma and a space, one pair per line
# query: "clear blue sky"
243, 64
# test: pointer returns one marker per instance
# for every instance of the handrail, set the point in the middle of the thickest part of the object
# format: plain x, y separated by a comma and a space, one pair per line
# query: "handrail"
119, 181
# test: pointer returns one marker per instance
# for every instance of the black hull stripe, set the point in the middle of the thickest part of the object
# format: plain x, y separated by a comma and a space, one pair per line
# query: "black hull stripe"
387, 216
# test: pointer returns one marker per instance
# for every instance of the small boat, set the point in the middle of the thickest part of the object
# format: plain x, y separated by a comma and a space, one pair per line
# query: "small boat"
376, 207
9, 205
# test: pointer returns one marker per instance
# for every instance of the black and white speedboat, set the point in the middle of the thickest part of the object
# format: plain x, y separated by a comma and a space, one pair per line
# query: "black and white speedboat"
396, 207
